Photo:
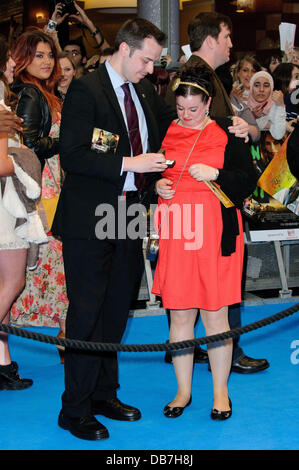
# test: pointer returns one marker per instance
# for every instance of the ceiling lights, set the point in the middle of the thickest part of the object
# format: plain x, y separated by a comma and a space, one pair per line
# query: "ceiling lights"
244, 5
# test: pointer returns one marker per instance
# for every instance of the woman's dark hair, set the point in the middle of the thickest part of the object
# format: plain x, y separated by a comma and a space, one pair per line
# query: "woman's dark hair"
282, 76
275, 55
160, 79
247, 58
199, 75
4, 56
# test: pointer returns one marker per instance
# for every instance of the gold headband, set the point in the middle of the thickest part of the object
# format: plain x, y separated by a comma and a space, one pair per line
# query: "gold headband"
178, 82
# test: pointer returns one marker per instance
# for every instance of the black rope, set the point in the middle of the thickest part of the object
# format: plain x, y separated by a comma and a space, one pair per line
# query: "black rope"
90, 346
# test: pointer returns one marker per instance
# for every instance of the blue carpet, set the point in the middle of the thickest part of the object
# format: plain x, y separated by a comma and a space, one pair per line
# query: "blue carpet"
265, 405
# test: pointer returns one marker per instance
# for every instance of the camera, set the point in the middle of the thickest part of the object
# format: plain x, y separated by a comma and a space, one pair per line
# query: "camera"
67, 7
51, 26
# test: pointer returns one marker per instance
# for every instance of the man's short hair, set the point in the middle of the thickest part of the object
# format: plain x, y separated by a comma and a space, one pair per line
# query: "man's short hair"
77, 42
133, 32
204, 25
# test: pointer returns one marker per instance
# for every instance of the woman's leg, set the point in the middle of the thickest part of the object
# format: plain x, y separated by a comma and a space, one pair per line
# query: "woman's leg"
220, 355
181, 329
61, 322
12, 281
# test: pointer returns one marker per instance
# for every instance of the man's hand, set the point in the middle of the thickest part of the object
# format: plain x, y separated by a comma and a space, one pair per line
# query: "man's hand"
10, 123
289, 126
237, 91
163, 188
145, 163
57, 16
81, 16
258, 110
239, 128
277, 97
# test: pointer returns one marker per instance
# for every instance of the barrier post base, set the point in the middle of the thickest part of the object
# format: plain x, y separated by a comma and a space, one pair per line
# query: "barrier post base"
153, 304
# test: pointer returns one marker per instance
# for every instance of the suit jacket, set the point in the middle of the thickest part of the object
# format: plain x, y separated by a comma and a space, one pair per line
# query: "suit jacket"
94, 178
237, 179
293, 152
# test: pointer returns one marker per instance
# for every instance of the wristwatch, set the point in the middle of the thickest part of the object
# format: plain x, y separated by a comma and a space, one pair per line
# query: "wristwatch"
217, 174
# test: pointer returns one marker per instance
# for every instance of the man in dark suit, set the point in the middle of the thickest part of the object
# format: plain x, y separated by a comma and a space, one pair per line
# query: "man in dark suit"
101, 273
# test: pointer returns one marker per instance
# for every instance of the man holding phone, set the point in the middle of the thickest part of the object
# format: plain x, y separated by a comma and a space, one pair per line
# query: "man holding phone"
101, 274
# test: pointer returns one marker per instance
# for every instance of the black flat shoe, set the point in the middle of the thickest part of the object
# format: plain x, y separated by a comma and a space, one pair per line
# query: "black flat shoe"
10, 380
175, 412
221, 415
115, 409
85, 427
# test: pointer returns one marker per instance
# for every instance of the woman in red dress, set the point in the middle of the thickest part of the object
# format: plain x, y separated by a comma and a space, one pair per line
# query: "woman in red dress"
201, 241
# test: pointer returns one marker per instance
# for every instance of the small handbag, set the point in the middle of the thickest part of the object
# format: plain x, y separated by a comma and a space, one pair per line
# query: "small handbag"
152, 247
49, 204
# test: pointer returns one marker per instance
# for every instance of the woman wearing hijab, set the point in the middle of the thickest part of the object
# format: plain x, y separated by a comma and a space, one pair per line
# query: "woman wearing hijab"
267, 105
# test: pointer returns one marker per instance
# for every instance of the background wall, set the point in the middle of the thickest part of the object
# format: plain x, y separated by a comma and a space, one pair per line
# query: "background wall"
252, 31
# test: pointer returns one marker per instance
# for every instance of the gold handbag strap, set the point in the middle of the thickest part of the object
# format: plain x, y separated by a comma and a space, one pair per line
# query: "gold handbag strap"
181, 174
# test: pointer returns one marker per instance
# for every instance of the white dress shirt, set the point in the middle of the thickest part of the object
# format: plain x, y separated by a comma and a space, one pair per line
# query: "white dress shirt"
117, 83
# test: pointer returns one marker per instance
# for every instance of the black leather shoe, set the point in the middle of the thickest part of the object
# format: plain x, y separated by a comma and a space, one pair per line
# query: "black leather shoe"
221, 415
85, 427
200, 356
115, 409
247, 365
175, 412
10, 380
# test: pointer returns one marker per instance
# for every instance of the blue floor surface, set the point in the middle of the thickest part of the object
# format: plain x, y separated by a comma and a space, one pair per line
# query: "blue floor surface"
265, 405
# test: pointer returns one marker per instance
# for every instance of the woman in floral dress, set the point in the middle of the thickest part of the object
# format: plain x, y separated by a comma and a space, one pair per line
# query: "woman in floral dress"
44, 301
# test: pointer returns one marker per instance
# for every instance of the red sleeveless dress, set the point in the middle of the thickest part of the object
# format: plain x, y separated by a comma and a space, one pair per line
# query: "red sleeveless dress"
191, 272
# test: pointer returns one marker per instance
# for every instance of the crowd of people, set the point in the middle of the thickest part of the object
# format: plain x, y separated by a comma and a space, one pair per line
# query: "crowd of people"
204, 112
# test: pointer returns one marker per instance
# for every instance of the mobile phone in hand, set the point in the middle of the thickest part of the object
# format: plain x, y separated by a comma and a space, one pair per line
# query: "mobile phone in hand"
169, 163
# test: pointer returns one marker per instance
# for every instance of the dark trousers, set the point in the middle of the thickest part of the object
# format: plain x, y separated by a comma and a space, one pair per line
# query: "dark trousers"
101, 277
234, 319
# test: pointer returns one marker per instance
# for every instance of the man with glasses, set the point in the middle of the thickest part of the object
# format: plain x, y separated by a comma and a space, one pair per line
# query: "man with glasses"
76, 50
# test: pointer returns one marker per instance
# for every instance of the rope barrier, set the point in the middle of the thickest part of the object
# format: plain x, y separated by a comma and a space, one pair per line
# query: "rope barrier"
113, 347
